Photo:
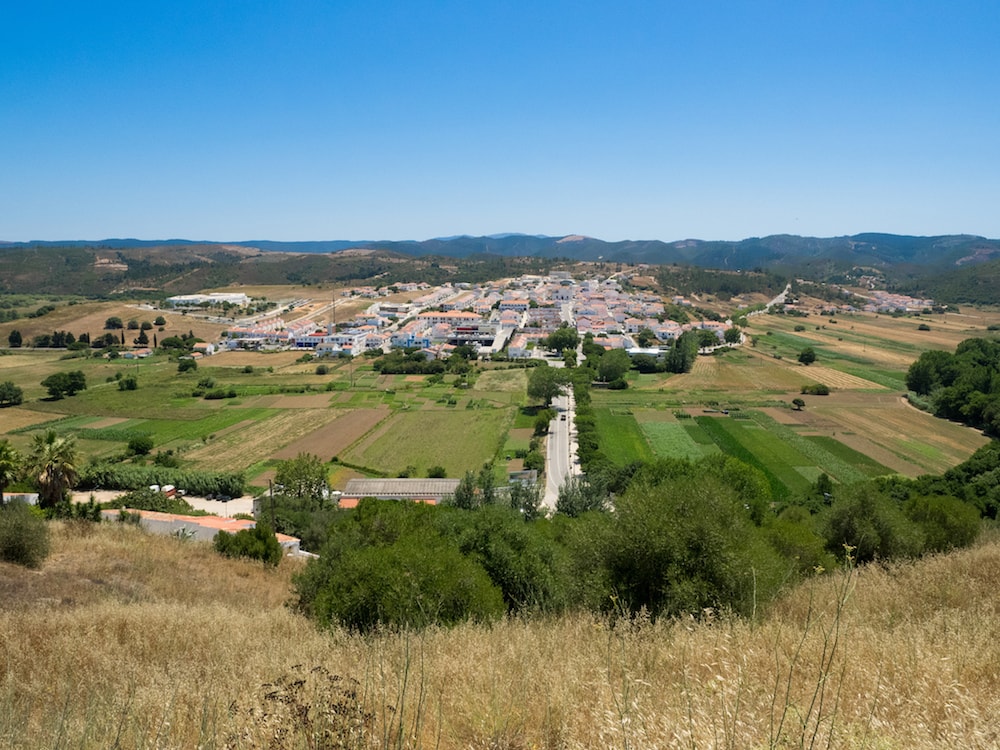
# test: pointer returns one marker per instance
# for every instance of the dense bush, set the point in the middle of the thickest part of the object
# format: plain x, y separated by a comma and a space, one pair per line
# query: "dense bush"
140, 445
687, 544
869, 525
816, 389
388, 564
302, 518
258, 543
10, 394
408, 362
24, 535
946, 522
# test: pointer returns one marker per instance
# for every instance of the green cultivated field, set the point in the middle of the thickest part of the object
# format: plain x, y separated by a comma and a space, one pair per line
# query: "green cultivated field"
459, 440
279, 401
862, 359
621, 439
674, 440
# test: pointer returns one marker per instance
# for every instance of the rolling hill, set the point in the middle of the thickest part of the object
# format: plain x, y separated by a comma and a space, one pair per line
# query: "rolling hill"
918, 264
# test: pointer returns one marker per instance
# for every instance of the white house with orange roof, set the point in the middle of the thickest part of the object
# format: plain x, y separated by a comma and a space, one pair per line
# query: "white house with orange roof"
201, 528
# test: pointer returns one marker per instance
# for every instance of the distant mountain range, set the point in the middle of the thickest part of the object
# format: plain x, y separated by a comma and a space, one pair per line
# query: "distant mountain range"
910, 261
775, 251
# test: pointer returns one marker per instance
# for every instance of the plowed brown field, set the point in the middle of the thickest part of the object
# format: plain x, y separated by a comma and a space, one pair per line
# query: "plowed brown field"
337, 436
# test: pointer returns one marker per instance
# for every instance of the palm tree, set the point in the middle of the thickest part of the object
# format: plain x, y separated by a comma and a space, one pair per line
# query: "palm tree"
53, 465
10, 466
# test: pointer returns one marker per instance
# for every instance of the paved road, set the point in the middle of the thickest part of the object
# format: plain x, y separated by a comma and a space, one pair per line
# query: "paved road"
560, 460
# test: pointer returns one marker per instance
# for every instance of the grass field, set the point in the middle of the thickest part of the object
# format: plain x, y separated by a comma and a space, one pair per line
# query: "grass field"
671, 439
621, 439
271, 418
862, 429
458, 439
123, 639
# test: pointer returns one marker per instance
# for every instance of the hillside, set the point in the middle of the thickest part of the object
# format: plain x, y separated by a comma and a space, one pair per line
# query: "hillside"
175, 266
161, 270
129, 640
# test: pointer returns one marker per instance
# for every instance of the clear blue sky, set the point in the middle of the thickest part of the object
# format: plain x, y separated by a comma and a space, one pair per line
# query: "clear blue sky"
345, 119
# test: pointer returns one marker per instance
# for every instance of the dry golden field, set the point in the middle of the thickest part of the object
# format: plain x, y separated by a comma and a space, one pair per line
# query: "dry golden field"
129, 640
237, 450
89, 317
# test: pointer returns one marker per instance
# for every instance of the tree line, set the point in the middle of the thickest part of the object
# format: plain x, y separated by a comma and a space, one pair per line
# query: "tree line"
963, 386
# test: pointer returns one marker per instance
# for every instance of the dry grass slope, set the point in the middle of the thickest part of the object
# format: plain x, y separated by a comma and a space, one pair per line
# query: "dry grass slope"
133, 641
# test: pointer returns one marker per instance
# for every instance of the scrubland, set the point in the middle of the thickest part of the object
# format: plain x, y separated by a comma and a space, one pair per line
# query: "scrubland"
124, 639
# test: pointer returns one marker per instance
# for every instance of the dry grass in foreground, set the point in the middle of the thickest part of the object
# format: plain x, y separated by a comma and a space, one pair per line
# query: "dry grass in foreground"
133, 641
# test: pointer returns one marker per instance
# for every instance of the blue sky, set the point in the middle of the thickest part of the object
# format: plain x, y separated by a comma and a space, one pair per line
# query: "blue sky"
308, 120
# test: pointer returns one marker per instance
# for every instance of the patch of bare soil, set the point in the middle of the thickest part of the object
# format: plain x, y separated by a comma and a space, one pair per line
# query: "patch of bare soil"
783, 416
337, 436
305, 401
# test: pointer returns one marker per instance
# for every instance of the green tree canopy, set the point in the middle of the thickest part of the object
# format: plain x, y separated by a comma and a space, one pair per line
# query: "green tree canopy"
10, 394
867, 522
687, 544
545, 383
258, 543
60, 384
613, 365
304, 477
564, 337
388, 563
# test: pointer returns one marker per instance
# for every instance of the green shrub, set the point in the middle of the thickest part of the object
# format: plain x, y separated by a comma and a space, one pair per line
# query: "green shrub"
140, 445
24, 535
946, 521
258, 543
147, 499
871, 525
816, 389
389, 564
534, 460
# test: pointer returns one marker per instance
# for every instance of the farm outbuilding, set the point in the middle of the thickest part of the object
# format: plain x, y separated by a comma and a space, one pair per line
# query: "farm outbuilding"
417, 490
